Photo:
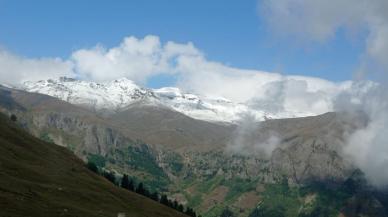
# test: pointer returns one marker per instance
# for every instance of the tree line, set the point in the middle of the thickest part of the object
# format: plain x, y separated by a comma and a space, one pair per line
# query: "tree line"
129, 184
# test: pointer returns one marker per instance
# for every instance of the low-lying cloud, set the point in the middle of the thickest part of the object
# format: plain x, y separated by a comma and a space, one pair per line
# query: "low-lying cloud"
320, 21
248, 139
367, 147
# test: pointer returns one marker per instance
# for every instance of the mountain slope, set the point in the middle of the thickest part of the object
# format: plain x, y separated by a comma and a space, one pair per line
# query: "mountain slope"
42, 179
173, 130
66, 123
205, 165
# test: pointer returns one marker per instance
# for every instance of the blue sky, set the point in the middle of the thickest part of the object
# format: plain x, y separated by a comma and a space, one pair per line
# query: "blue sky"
229, 31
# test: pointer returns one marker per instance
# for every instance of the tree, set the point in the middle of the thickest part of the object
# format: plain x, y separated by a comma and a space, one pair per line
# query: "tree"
277, 211
227, 213
155, 196
131, 185
190, 212
110, 176
13, 118
140, 189
92, 166
164, 200
255, 213
147, 193
180, 208
170, 204
175, 204
125, 182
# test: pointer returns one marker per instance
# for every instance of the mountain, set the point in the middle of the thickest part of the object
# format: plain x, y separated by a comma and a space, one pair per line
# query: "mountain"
294, 166
43, 179
114, 96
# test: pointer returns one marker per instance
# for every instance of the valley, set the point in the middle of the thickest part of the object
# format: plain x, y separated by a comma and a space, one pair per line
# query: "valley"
200, 164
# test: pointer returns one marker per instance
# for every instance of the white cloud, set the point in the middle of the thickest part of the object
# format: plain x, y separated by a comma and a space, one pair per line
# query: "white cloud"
136, 59
246, 140
320, 20
15, 69
367, 147
270, 92
140, 59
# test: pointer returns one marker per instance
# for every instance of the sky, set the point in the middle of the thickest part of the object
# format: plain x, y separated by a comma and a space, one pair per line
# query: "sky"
235, 33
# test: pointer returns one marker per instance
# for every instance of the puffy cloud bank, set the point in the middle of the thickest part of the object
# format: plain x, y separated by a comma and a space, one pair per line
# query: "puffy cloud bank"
141, 59
15, 69
368, 147
319, 21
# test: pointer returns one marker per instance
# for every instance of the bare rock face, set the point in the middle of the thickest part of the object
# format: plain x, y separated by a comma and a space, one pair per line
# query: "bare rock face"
310, 160
311, 148
90, 137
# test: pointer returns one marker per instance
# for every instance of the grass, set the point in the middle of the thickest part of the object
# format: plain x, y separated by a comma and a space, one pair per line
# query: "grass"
238, 186
42, 179
210, 184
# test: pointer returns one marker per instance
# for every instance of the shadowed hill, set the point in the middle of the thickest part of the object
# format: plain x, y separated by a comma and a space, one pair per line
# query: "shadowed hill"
43, 179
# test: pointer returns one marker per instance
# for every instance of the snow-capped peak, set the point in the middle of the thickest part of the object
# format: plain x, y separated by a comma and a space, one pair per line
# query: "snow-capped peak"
107, 96
116, 95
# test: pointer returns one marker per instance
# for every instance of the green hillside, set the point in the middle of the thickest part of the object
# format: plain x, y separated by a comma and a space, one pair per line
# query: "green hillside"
42, 179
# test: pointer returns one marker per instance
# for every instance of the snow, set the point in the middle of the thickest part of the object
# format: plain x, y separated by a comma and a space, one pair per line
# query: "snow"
116, 95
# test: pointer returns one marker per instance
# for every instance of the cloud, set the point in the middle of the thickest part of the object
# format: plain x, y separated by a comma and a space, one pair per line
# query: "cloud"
140, 59
15, 69
272, 93
247, 140
367, 147
320, 20
136, 59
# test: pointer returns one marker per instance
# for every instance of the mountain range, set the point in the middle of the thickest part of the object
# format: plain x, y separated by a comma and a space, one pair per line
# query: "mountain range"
115, 96
206, 152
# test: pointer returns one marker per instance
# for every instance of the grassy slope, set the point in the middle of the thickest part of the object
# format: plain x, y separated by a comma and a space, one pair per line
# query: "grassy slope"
42, 179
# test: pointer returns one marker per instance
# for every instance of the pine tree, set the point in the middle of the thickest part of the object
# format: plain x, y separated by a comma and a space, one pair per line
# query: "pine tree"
140, 189
190, 212
131, 185
155, 196
125, 182
164, 200
227, 213
180, 208
170, 203
13, 118
175, 204
92, 166
255, 213
147, 193
110, 176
